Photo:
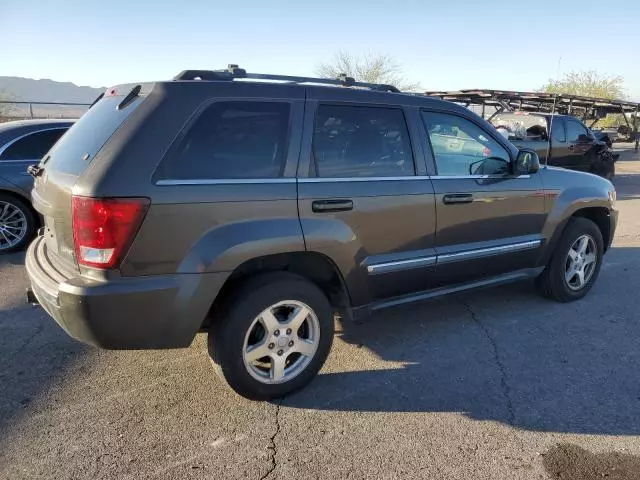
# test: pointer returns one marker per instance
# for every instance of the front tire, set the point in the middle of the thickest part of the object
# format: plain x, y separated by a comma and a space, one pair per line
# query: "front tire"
272, 336
575, 263
17, 223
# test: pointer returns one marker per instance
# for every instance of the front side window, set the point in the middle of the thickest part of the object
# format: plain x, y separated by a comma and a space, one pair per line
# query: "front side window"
354, 141
576, 132
34, 146
461, 147
232, 140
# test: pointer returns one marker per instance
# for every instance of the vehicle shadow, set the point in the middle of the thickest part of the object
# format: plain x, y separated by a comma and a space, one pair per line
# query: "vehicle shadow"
504, 355
35, 354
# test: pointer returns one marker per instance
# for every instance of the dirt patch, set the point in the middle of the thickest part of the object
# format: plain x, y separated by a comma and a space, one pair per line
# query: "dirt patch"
570, 462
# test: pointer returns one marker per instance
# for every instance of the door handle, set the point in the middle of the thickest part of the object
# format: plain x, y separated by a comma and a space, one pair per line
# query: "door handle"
571, 147
457, 198
334, 205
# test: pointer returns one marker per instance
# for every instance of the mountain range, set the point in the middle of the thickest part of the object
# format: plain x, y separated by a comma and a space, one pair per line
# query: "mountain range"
45, 90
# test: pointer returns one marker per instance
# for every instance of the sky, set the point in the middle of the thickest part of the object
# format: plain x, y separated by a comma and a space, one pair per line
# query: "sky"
443, 45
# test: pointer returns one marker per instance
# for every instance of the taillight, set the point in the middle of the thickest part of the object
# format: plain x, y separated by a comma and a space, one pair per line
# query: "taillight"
103, 228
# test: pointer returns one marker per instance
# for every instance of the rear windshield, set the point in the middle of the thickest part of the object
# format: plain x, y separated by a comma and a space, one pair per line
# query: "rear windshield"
76, 149
522, 127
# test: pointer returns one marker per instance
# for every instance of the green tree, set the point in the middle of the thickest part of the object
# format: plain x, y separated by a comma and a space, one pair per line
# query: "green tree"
367, 68
587, 83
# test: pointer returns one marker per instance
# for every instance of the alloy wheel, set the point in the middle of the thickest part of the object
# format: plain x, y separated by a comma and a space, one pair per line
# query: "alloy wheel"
580, 262
13, 225
281, 342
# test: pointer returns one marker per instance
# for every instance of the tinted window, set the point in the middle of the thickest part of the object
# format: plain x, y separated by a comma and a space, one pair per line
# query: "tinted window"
361, 142
558, 131
461, 147
233, 140
75, 151
33, 146
575, 130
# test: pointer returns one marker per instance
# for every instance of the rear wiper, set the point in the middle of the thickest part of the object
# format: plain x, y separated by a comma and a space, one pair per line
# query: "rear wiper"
35, 171
135, 91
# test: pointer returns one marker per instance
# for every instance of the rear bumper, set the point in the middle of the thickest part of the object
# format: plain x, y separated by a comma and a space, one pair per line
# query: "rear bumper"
128, 313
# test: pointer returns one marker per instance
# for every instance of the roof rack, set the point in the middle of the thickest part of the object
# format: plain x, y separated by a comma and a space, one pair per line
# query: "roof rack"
233, 72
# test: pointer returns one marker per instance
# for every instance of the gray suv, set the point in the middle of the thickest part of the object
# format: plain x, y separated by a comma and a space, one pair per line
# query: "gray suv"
255, 207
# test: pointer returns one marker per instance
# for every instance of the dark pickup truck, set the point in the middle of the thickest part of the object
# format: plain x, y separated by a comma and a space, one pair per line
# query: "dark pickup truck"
573, 145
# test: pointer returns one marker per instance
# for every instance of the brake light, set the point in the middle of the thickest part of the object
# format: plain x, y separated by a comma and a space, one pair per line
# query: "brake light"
103, 228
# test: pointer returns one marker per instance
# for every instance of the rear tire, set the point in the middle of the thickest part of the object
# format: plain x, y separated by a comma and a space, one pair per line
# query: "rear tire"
272, 335
558, 281
17, 223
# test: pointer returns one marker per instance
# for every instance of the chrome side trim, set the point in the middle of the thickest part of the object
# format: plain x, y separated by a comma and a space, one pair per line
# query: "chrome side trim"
477, 177
487, 252
226, 181
388, 267
361, 179
31, 162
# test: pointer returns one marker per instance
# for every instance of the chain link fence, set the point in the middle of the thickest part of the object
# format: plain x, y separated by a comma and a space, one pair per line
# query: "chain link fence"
19, 110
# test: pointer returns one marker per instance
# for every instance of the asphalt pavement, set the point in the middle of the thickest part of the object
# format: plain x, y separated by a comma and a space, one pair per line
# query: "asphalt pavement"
495, 384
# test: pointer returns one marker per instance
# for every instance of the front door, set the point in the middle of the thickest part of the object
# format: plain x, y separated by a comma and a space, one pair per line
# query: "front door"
489, 221
582, 146
363, 197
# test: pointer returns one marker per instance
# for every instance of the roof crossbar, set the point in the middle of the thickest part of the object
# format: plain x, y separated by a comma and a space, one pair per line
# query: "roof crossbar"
233, 72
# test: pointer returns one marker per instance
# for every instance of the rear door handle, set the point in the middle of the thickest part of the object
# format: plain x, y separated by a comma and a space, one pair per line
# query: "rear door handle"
457, 198
334, 205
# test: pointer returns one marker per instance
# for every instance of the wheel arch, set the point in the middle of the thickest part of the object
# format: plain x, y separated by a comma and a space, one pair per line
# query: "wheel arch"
599, 215
313, 266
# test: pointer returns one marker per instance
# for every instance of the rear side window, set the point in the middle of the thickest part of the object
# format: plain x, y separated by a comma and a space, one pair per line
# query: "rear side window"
354, 141
232, 140
73, 153
33, 146
557, 131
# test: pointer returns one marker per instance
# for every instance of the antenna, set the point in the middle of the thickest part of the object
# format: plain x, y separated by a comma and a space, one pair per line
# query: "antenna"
553, 111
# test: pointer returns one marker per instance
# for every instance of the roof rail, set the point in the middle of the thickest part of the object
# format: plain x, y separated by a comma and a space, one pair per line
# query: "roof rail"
234, 72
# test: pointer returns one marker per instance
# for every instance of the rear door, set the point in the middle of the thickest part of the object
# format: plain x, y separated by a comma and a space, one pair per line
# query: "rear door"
560, 153
26, 150
489, 221
581, 146
363, 196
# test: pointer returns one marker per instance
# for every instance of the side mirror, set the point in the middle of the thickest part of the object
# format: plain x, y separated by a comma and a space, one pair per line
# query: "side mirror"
527, 162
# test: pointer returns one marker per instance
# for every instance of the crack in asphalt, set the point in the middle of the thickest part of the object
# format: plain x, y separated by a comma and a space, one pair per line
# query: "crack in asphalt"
26, 343
506, 390
273, 447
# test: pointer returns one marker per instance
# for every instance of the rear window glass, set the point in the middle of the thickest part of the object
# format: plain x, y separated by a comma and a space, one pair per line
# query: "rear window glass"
75, 150
522, 127
232, 140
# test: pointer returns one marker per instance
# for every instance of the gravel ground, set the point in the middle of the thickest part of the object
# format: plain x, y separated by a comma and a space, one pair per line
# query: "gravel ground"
497, 384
